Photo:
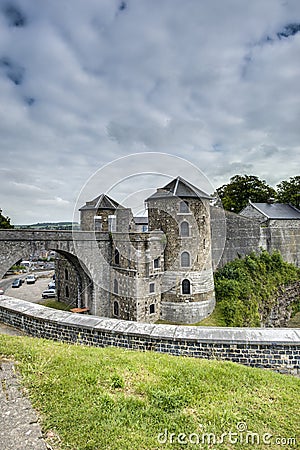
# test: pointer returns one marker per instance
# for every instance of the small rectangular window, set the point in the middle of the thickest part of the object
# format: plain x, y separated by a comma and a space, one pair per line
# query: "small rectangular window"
152, 308
156, 263
151, 288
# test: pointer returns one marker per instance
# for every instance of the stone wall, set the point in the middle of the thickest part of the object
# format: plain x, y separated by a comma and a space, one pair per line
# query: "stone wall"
279, 313
277, 349
233, 236
66, 281
284, 235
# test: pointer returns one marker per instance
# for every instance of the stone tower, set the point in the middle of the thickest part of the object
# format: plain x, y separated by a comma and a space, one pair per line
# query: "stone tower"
182, 212
99, 214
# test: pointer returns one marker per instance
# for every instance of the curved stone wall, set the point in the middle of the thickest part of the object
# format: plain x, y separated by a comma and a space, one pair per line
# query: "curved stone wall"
277, 349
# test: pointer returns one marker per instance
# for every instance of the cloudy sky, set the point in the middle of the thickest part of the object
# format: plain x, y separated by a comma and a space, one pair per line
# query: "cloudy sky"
83, 82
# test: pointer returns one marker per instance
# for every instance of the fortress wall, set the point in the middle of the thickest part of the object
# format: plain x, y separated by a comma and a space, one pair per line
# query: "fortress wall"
284, 235
276, 349
233, 236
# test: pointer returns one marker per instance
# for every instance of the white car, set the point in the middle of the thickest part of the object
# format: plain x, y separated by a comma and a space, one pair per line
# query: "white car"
49, 293
51, 285
30, 279
1, 291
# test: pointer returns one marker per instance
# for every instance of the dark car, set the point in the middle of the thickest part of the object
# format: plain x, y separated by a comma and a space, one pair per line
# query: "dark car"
16, 283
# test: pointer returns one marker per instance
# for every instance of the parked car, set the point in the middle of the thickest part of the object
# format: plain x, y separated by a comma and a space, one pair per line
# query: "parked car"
48, 293
30, 279
17, 283
1, 291
51, 285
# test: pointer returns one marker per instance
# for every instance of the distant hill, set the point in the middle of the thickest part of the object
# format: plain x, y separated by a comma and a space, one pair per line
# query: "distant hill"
50, 226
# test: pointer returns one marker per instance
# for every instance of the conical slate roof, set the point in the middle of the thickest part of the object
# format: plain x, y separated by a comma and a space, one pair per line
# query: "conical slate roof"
101, 202
181, 188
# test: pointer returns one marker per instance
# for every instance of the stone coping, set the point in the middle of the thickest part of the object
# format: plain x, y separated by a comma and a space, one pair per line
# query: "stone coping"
268, 336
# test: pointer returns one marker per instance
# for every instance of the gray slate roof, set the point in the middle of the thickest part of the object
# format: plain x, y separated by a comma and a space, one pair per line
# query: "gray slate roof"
277, 210
101, 202
179, 187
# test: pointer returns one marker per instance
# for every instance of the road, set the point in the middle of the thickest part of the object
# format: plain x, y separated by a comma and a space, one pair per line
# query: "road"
29, 292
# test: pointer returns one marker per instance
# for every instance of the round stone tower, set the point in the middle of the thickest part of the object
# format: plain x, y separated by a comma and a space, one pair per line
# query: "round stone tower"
182, 212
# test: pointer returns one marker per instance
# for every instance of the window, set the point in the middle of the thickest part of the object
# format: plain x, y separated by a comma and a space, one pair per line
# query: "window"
98, 223
186, 286
185, 259
117, 257
116, 286
204, 243
184, 207
66, 274
184, 229
156, 263
152, 308
152, 288
116, 308
112, 223
67, 291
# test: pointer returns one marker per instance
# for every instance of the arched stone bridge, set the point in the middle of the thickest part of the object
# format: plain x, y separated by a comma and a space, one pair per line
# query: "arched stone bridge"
19, 244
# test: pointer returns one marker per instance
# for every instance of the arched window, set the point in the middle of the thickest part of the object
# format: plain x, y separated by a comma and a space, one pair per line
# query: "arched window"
116, 308
186, 286
184, 229
152, 308
66, 274
116, 286
185, 259
117, 257
184, 207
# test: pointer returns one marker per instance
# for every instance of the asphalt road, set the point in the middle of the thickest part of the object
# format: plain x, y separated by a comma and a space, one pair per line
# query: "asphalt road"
29, 292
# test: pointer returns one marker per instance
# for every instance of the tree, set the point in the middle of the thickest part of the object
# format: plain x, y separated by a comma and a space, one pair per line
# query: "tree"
5, 221
289, 191
242, 188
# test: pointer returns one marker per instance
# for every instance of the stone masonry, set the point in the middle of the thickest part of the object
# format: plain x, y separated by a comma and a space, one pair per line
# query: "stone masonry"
276, 349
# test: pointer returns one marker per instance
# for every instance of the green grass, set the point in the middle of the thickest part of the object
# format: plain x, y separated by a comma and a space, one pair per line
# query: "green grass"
54, 304
102, 399
294, 322
216, 319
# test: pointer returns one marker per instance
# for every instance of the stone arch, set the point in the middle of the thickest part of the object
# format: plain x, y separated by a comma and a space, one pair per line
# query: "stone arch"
16, 244
85, 285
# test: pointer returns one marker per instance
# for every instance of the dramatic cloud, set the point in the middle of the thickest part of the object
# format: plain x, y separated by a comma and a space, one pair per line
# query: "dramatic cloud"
83, 82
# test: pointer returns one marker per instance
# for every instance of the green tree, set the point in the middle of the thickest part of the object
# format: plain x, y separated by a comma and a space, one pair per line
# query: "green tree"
5, 221
242, 188
289, 191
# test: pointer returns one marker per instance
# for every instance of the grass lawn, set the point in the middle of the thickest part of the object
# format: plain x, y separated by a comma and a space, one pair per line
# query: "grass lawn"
52, 303
101, 399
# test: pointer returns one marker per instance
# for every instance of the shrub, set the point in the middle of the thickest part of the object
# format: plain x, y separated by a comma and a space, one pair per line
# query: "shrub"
246, 288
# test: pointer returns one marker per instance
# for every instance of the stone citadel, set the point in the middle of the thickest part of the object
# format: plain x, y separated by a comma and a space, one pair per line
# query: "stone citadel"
161, 267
